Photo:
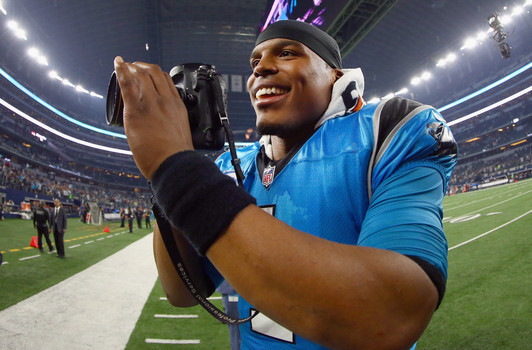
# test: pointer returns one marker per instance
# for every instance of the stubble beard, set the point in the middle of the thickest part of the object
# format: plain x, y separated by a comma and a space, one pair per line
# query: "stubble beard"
264, 128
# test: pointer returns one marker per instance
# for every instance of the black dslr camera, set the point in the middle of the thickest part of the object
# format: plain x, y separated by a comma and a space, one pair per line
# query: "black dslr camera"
204, 94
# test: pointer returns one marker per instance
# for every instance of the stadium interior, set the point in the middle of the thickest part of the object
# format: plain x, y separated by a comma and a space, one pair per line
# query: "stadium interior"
471, 60
437, 52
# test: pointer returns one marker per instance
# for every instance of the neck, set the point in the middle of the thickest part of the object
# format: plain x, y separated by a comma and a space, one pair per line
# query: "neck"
281, 146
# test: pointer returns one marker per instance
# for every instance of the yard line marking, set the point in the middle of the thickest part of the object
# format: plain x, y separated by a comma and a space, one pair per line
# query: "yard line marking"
171, 341
163, 298
89, 242
490, 231
504, 201
75, 246
101, 239
4, 263
174, 316
29, 257
466, 204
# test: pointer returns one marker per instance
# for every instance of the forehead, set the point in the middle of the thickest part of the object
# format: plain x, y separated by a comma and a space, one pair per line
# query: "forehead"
276, 43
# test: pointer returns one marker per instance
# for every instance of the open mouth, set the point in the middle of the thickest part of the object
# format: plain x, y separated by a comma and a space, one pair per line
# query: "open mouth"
269, 91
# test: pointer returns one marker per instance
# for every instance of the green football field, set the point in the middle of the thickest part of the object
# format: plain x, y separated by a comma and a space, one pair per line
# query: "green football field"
488, 303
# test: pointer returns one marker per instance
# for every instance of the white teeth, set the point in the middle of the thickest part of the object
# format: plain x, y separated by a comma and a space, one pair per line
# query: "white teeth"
270, 91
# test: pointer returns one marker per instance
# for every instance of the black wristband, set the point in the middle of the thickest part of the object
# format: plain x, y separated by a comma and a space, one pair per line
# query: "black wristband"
197, 198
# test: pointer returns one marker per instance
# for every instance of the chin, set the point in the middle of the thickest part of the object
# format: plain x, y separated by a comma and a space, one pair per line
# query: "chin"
271, 129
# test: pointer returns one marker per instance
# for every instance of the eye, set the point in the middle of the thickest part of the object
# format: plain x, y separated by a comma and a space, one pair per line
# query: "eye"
254, 62
286, 53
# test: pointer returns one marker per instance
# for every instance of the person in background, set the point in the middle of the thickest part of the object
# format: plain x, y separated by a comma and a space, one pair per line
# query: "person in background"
138, 215
130, 214
147, 217
230, 303
122, 217
2, 206
58, 225
41, 221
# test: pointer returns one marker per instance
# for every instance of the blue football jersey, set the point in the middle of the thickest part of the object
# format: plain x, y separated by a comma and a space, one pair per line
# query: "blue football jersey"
389, 160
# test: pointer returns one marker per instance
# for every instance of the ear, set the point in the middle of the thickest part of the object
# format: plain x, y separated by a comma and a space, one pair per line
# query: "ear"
338, 73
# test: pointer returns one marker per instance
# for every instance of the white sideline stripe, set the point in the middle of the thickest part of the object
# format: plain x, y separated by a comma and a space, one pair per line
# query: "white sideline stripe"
163, 298
89, 242
490, 231
29, 257
171, 341
100, 239
174, 316
88, 310
4, 263
75, 246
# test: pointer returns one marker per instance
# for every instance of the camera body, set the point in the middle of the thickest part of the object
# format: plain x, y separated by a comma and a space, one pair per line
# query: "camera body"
204, 94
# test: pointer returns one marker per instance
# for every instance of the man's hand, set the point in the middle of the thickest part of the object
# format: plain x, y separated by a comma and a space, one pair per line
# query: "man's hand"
155, 118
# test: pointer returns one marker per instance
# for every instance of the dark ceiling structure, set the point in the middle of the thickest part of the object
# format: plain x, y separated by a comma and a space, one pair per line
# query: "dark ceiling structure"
391, 40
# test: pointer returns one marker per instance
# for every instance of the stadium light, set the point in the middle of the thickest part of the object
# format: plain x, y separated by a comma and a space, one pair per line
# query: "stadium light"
451, 57
68, 83
426, 75
34, 53
402, 91
80, 88
442, 62
17, 30
481, 36
37, 56
415, 81
94, 94
469, 43
53, 74
4, 11
517, 10
506, 19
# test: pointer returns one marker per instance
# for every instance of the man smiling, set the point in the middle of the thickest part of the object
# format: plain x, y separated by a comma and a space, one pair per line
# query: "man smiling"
336, 237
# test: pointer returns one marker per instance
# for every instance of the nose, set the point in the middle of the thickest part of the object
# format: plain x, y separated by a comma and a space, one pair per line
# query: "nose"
265, 66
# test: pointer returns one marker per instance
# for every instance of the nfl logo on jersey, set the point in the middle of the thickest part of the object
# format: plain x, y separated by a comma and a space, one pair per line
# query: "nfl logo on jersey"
267, 176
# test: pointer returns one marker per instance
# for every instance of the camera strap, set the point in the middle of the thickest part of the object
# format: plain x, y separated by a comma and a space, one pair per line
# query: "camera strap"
219, 91
220, 98
167, 233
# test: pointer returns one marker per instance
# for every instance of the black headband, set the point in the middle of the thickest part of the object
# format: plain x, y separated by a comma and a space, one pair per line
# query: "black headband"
314, 38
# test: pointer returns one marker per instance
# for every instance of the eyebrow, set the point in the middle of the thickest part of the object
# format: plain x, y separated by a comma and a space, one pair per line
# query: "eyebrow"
281, 43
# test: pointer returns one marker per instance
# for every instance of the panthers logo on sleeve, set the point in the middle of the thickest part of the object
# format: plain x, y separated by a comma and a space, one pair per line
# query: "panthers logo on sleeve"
445, 142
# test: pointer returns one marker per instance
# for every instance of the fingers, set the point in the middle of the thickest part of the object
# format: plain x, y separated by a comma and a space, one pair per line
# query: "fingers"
139, 81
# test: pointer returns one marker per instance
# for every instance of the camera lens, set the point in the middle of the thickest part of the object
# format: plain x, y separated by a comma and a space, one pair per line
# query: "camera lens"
115, 106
